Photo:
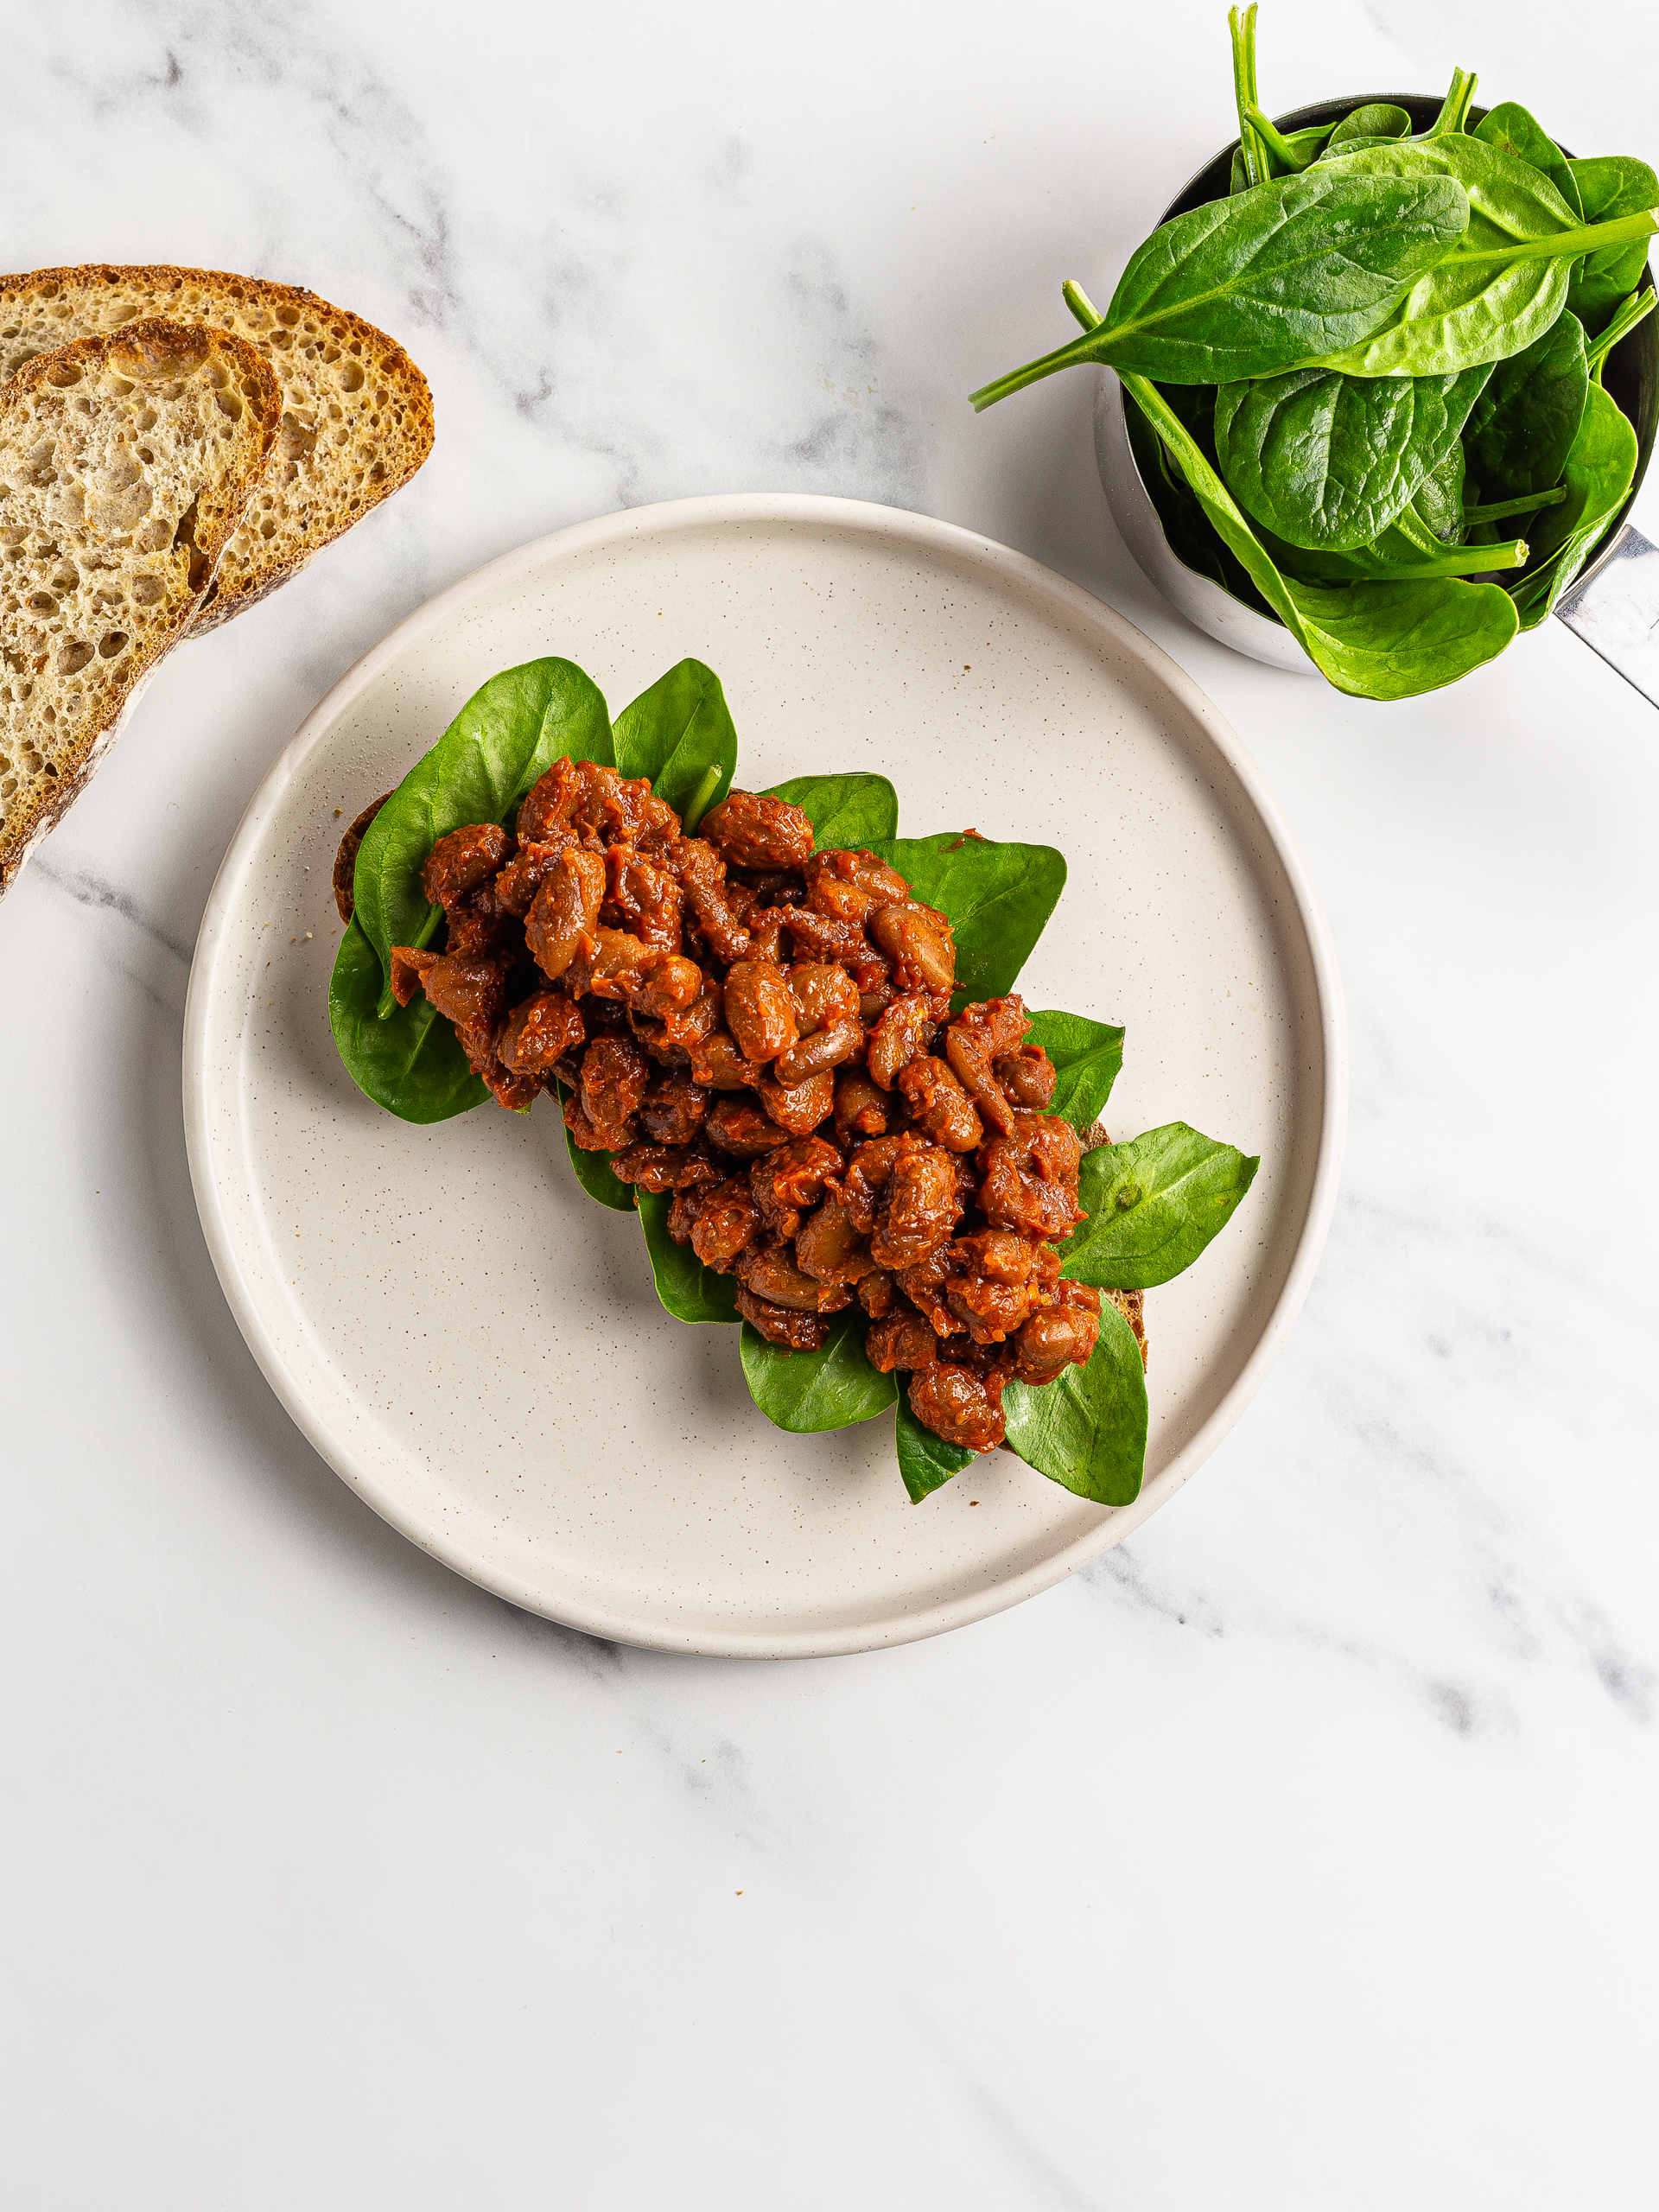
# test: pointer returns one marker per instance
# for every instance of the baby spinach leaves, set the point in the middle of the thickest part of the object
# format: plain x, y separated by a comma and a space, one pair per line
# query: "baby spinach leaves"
926, 1461
997, 896
689, 1290
851, 811
1087, 1056
1088, 1430
1352, 491
1328, 460
1294, 270
412, 1063
1153, 1204
679, 736
807, 1391
593, 1170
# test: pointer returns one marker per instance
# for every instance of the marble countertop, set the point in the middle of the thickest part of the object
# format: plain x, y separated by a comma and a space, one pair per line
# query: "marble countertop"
1297, 1854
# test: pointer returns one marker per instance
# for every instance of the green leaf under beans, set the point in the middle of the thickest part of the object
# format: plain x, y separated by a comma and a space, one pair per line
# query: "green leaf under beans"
926, 1461
1088, 1430
1087, 1056
593, 1169
679, 736
510, 731
1328, 460
1599, 471
689, 1290
1243, 287
411, 1063
807, 1391
1152, 1204
1610, 185
997, 896
1379, 641
1521, 428
1499, 286
1509, 127
849, 811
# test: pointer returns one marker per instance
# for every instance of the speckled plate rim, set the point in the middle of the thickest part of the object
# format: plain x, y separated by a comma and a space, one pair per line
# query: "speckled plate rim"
925, 535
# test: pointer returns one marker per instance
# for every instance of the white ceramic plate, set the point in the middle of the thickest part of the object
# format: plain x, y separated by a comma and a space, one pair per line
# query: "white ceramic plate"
476, 1347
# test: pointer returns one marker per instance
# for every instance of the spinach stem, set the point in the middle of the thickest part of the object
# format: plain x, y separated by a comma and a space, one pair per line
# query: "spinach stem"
1501, 508
1625, 318
1081, 305
1623, 230
1065, 357
1456, 560
701, 797
1242, 24
1288, 156
1455, 109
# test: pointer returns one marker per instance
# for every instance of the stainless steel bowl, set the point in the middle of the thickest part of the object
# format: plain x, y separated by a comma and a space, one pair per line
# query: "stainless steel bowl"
1631, 377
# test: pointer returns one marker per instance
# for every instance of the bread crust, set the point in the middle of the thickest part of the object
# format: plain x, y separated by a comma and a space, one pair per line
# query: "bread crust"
266, 315
147, 352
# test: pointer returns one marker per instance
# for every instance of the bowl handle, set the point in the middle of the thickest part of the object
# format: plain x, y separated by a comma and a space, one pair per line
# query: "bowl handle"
1616, 611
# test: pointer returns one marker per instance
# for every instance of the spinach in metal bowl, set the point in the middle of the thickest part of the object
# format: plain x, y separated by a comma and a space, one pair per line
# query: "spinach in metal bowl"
1145, 1209
1378, 495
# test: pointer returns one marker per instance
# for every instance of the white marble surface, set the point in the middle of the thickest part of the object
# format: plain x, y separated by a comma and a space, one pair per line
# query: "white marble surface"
1297, 1855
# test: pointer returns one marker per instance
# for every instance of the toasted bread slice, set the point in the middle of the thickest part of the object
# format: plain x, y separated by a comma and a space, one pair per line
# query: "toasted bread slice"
125, 465
357, 414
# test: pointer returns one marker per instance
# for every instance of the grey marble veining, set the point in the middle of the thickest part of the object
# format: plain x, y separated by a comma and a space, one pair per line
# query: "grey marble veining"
1296, 1853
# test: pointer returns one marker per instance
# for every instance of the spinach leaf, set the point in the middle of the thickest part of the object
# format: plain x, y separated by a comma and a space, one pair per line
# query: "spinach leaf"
1382, 640
1500, 285
413, 1064
1610, 185
807, 1391
1438, 500
1509, 127
679, 735
1152, 1204
1618, 327
1088, 1431
1521, 428
689, 1290
592, 1169
1377, 119
926, 1461
510, 731
1288, 272
1087, 1056
850, 810
1327, 460
997, 896
1599, 471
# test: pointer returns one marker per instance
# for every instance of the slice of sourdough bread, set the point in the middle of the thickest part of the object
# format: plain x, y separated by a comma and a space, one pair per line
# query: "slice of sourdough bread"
125, 465
357, 414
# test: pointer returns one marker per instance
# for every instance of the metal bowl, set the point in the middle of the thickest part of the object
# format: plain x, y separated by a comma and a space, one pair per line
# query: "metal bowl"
1631, 377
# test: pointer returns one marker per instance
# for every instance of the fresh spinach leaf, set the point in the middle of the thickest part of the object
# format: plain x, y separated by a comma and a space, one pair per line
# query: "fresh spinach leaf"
1087, 1056
1438, 501
926, 1461
1378, 119
689, 1290
1152, 1205
808, 1391
852, 811
997, 896
593, 1170
679, 736
1500, 285
1327, 460
1599, 471
1610, 186
1291, 272
1521, 428
1088, 1430
510, 731
1509, 127
412, 1064
1382, 640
